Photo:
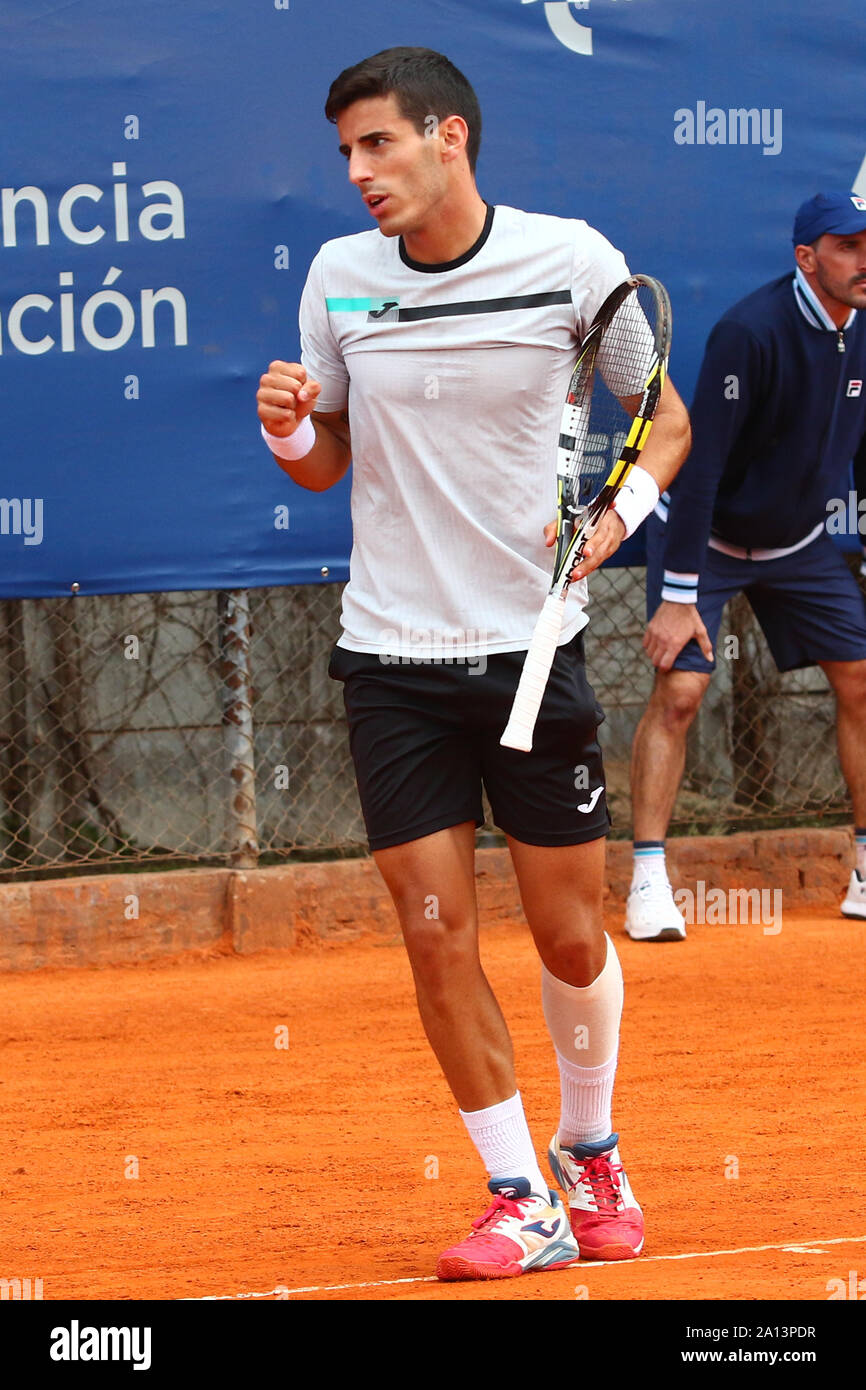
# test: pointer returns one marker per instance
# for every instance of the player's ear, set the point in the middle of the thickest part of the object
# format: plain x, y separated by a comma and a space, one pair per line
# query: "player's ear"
805, 256
453, 133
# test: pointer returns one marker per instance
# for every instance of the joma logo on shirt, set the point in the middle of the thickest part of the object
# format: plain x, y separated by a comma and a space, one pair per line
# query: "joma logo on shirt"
387, 311
377, 309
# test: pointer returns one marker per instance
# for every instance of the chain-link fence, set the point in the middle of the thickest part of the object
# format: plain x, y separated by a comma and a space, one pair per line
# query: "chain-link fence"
200, 728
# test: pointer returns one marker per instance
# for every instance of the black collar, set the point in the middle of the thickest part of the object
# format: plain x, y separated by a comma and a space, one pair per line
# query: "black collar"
461, 260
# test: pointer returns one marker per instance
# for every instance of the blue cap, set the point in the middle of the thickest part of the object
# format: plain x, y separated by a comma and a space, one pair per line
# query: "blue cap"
843, 214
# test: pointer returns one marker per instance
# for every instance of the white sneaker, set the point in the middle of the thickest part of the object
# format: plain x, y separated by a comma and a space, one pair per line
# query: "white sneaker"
652, 915
855, 903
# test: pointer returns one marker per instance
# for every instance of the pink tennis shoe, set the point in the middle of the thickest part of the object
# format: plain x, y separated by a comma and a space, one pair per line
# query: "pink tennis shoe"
521, 1231
606, 1221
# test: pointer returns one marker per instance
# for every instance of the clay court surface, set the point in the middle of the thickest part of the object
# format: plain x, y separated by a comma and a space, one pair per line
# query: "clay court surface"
306, 1171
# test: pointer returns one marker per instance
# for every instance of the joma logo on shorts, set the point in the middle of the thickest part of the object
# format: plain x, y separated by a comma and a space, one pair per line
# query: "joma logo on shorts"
588, 806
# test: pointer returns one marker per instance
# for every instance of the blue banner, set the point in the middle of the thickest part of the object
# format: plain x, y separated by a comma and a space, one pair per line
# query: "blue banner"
167, 175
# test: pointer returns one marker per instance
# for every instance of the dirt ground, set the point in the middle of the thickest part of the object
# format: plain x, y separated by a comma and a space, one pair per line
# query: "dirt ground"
275, 1126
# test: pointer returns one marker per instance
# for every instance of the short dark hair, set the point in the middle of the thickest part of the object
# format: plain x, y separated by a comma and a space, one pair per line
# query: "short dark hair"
425, 84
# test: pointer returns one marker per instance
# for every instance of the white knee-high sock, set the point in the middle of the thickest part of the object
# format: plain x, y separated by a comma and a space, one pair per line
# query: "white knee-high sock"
584, 1025
501, 1135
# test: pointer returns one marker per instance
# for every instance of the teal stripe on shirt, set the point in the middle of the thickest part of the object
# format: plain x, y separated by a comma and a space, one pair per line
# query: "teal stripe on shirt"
359, 306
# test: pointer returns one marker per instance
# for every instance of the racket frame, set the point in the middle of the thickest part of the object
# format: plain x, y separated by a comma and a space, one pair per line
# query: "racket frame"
575, 524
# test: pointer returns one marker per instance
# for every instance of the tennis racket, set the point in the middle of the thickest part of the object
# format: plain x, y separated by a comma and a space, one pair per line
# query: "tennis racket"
624, 354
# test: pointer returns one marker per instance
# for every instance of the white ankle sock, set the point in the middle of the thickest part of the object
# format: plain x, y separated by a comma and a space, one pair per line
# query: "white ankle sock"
501, 1136
649, 861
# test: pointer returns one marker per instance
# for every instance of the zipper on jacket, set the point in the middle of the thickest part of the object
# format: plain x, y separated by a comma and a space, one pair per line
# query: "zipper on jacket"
840, 340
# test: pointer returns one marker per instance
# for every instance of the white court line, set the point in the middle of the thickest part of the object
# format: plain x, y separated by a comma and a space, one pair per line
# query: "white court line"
795, 1247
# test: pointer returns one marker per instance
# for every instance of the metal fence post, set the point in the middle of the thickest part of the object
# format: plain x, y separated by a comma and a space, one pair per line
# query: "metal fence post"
233, 608
15, 768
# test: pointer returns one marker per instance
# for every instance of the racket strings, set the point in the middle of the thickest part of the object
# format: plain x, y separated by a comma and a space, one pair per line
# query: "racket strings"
596, 427
622, 358
626, 362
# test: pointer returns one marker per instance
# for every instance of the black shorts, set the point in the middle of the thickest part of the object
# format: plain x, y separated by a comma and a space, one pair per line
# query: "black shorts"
425, 737
808, 604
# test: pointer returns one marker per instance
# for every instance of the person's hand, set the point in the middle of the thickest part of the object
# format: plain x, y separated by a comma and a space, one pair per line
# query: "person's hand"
607, 539
286, 397
670, 628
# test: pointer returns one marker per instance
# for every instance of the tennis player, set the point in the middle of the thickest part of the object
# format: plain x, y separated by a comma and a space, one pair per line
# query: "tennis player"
436, 350
778, 415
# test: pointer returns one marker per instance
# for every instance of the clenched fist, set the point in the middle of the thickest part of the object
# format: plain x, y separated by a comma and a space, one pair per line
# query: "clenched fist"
285, 398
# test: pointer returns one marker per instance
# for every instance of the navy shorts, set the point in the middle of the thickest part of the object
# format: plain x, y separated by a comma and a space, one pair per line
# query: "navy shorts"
808, 604
425, 738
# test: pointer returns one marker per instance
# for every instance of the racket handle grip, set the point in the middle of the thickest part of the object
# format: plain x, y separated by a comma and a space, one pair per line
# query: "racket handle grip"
534, 676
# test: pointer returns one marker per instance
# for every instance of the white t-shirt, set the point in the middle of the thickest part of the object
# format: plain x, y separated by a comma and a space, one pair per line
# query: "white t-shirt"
455, 377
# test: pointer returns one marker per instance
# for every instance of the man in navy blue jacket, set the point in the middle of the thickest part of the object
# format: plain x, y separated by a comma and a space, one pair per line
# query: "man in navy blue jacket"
779, 413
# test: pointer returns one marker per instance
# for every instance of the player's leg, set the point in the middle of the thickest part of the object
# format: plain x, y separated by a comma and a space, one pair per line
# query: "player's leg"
811, 611
659, 749
848, 679
431, 881
658, 759
419, 782
551, 805
659, 746
561, 888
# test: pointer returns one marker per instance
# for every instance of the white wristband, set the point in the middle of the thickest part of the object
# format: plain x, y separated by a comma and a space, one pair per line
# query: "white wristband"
297, 445
636, 498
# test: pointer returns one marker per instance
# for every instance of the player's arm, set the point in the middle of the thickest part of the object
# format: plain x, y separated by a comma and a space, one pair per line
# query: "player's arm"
670, 439
663, 456
675, 624
718, 415
286, 397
